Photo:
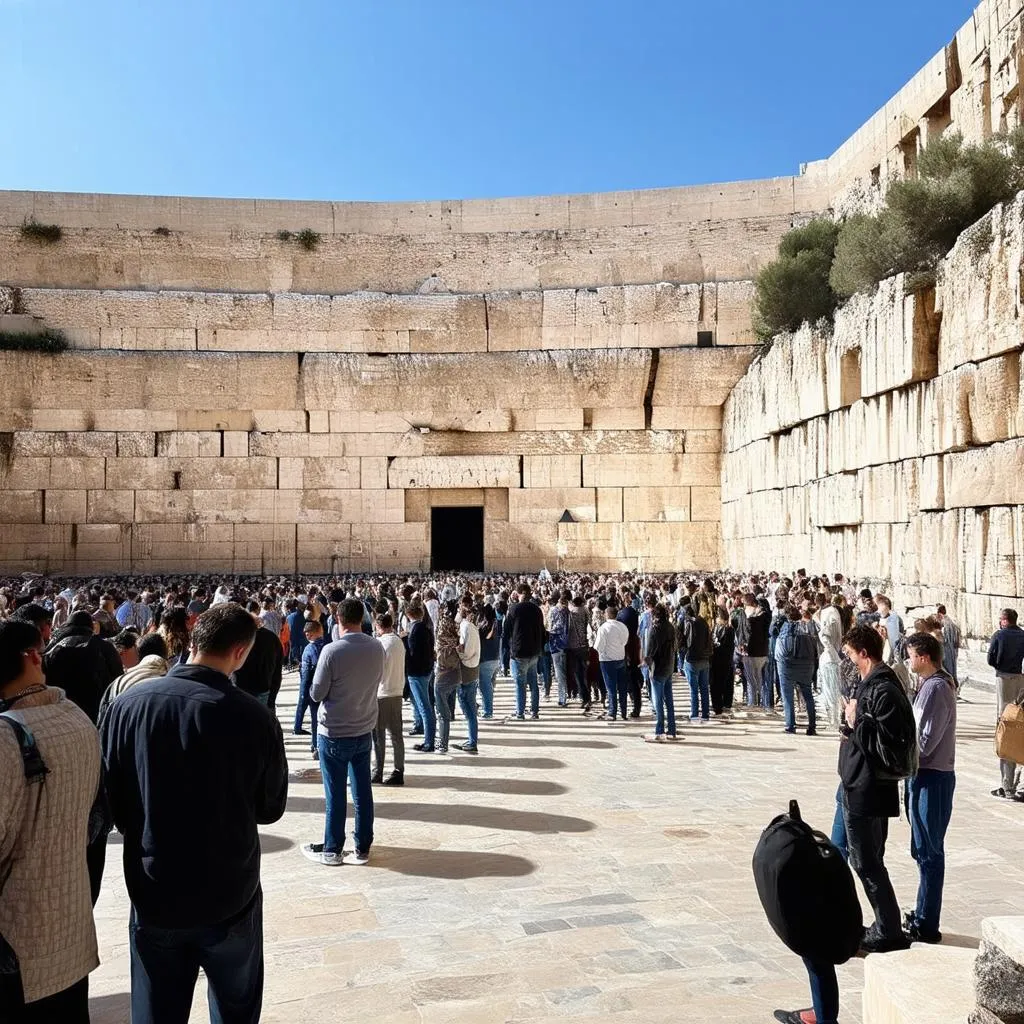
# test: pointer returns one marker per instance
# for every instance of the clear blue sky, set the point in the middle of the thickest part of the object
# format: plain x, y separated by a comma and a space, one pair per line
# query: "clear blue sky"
423, 99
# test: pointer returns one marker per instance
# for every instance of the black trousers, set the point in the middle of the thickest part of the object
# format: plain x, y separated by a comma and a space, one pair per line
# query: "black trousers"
636, 682
865, 837
68, 1007
576, 669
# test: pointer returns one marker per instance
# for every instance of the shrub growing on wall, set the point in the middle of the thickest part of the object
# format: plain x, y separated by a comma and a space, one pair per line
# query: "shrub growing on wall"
795, 287
18, 341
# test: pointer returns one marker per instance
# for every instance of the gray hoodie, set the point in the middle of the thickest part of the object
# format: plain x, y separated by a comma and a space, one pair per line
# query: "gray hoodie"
346, 680
935, 713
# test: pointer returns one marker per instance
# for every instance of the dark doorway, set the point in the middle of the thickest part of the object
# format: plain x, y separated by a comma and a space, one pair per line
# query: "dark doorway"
457, 539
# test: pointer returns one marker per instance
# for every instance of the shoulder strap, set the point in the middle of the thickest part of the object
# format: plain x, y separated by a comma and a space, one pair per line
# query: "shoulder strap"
32, 760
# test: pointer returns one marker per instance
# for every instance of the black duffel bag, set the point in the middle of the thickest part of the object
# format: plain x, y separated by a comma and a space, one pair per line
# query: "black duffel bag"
807, 890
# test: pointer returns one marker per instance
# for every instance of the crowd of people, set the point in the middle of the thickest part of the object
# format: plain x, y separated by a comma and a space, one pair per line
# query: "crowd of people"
151, 704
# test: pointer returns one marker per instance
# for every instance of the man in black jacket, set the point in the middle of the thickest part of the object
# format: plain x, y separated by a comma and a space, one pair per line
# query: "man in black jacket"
261, 673
876, 716
192, 766
81, 663
524, 631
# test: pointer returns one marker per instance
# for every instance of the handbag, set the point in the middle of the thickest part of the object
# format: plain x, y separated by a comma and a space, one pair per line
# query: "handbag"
1010, 733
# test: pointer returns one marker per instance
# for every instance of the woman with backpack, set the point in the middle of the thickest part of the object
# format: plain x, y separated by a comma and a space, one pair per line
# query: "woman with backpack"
795, 655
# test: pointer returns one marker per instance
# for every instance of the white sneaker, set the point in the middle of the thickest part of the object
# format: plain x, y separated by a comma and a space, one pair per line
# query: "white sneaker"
355, 857
657, 738
315, 853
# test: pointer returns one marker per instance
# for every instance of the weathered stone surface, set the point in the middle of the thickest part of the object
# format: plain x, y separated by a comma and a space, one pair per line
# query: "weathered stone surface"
999, 983
921, 985
698, 376
984, 476
546, 504
455, 471
644, 470
656, 504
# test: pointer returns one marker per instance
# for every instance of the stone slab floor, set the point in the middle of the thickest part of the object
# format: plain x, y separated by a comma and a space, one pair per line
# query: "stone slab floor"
573, 871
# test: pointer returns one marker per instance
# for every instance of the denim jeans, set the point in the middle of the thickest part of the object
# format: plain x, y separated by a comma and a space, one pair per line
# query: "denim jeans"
929, 807
524, 674
865, 837
544, 670
824, 991
446, 685
559, 662
700, 698
576, 667
789, 681
421, 688
347, 760
664, 705
839, 826
488, 673
165, 964
304, 702
467, 701
614, 673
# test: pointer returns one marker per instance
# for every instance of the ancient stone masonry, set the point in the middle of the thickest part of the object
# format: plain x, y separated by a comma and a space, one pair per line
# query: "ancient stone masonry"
895, 448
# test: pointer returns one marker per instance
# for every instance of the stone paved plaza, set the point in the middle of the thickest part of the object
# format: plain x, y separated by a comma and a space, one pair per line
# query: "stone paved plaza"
571, 870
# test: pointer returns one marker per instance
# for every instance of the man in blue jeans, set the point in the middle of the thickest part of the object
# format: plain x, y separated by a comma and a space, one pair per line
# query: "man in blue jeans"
184, 755
524, 630
346, 681
930, 791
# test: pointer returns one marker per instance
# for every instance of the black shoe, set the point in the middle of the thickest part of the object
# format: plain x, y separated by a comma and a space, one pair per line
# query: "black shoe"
534, 717
793, 1016
875, 943
377, 777
414, 732
423, 748
300, 732
812, 732
396, 778
634, 714
466, 748
912, 930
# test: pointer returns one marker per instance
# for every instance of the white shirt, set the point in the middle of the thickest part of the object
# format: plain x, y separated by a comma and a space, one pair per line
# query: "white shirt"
469, 637
611, 640
392, 683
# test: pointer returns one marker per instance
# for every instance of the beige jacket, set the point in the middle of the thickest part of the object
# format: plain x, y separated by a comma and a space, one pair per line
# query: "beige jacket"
45, 904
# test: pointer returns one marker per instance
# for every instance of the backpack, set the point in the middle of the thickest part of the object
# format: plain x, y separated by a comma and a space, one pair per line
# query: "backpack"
807, 890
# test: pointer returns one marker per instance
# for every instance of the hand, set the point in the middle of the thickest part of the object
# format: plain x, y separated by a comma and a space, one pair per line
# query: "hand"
851, 712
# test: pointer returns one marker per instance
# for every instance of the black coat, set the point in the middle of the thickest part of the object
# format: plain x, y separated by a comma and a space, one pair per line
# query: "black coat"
83, 665
262, 670
524, 630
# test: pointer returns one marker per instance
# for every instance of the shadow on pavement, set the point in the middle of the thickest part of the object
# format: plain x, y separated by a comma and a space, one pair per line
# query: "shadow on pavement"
275, 844
112, 1009
522, 787
448, 863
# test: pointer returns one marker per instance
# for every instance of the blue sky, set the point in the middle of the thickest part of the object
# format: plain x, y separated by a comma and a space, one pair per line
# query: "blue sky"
410, 99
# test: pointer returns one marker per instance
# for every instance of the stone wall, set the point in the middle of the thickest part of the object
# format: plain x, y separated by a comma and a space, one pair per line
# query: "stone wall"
894, 449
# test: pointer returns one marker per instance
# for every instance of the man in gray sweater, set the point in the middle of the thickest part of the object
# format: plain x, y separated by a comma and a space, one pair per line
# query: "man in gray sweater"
346, 681
930, 791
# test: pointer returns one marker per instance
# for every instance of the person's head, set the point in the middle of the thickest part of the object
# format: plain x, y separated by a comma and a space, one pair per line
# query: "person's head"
883, 604
524, 591
793, 613
414, 610
21, 656
312, 629
749, 601
564, 598
611, 611
385, 624
152, 643
351, 612
924, 653
83, 620
1007, 617
659, 614
39, 616
223, 637
126, 643
863, 646
940, 611
722, 614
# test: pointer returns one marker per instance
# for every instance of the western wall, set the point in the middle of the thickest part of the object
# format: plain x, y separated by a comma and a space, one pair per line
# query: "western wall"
235, 402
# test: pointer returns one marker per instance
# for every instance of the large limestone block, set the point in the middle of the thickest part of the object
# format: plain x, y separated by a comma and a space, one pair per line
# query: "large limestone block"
686, 417
656, 504
297, 474
548, 419
215, 474
553, 443
647, 470
889, 493
346, 506
136, 443
994, 400
373, 472
323, 551
1002, 557
703, 441
159, 381
496, 503
384, 546
551, 471
705, 504
929, 476
91, 444
921, 985
698, 376
984, 476
110, 507
39, 473
547, 504
419, 501
476, 380
455, 471
21, 507
265, 548
216, 506
615, 419
609, 505
193, 444
512, 545
62, 506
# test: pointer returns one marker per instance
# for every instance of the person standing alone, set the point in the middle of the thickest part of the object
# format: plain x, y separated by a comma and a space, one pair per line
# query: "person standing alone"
389, 704
1006, 656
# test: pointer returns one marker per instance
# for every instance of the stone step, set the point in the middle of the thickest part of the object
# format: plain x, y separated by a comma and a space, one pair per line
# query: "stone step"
921, 985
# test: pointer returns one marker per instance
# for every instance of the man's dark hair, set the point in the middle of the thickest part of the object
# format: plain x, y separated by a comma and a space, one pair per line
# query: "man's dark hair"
524, 590
865, 639
384, 621
38, 615
940, 609
926, 644
218, 630
866, 594
253, 607
312, 626
16, 637
125, 640
352, 612
1010, 615
81, 620
152, 643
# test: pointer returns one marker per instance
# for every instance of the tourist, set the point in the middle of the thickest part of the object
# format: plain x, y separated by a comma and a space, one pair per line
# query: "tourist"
630, 618
152, 664
524, 630
81, 663
174, 629
469, 676
951, 639
389, 704
185, 756
490, 656
558, 643
930, 791
45, 802
346, 683
261, 673
419, 664
313, 632
106, 616
447, 672
1006, 656
830, 635
722, 680
794, 661
696, 643
868, 799
577, 652
610, 645
296, 620
125, 643
755, 653
661, 657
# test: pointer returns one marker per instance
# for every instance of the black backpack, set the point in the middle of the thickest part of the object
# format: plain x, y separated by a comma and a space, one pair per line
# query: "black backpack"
892, 750
807, 890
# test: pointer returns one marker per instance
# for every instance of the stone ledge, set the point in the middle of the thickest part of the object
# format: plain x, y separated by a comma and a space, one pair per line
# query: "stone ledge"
921, 985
